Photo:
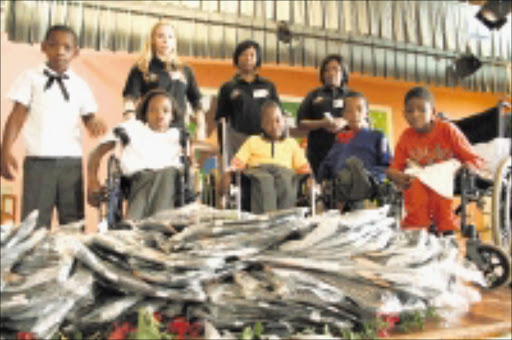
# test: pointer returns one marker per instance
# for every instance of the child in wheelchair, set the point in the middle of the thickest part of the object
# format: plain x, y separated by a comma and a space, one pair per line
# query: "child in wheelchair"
435, 145
271, 162
150, 158
357, 163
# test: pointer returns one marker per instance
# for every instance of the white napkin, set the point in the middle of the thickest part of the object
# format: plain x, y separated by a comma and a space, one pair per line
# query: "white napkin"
439, 176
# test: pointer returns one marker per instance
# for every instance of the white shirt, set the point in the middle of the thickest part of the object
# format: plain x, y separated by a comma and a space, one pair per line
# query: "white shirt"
52, 128
147, 149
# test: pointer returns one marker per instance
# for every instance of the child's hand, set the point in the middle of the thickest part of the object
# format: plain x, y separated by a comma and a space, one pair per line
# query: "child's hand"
335, 124
403, 181
475, 170
96, 126
8, 163
95, 192
409, 163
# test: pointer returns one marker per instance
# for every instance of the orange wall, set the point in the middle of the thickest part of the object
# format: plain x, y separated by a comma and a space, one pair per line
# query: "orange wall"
106, 72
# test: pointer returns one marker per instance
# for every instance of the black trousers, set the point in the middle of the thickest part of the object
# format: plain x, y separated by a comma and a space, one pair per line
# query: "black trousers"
50, 183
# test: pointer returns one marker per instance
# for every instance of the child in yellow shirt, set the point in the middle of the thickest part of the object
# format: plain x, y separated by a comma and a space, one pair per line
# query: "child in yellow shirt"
271, 161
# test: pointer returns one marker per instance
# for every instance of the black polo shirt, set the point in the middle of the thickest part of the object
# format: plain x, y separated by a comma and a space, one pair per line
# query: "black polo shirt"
240, 102
313, 107
181, 86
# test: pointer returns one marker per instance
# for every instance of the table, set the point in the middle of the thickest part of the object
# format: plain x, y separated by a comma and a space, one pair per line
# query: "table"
490, 318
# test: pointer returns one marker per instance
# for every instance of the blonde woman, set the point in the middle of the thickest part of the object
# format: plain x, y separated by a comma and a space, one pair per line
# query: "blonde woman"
159, 66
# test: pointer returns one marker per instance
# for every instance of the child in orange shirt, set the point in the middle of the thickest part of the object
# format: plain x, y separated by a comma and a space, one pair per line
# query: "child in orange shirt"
427, 141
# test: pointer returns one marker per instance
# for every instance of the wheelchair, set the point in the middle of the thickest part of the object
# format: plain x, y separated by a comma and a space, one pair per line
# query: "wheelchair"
238, 197
493, 259
381, 193
112, 206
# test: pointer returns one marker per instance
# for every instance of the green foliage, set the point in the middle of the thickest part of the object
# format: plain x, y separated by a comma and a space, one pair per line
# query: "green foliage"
148, 327
412, 322
252, 333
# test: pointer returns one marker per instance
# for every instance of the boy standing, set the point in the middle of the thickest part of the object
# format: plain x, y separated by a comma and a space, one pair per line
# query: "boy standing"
49, 102
428, 141
271, 161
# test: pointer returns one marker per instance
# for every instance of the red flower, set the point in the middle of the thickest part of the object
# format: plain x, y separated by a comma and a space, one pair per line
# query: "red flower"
179, 327
195, 330
390, 320
25, 336
121, 332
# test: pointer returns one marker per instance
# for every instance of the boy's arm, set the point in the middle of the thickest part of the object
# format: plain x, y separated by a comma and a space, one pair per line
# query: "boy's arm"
12, 129
395, 172
463, 149
94, 125
299, 162
239, 161
401, 179
93, 164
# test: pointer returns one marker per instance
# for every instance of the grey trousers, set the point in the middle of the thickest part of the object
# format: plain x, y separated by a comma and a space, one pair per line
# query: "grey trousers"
272, 188
152, 191
53, 182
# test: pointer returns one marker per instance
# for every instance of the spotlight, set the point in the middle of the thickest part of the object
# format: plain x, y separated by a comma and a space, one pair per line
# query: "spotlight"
466, 65
284, 34
493, 13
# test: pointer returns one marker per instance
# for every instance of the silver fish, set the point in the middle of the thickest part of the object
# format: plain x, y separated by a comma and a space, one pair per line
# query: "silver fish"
10, 256
6, 231
78, 286
110, 310
36, 279
25, 229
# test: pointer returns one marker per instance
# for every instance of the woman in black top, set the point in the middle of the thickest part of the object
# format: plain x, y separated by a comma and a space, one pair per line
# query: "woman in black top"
321, 112
240, 99
159, 67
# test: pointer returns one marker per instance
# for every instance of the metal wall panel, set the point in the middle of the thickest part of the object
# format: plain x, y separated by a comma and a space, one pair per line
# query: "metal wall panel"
389, 67
90, 33
411, 22
379, 62
123, 30
425, 29
247, 8
314, 14
201, 35
332, 15
348, 17
215, 41
58, 12
363, 21
356, 58
410, 40
229, 41
374, 17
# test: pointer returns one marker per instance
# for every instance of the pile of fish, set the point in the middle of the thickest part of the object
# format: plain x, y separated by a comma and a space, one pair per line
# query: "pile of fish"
229, 270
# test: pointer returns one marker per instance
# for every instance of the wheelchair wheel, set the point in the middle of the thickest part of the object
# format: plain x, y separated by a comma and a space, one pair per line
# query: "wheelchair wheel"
114, 194
501, 206
496, 265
